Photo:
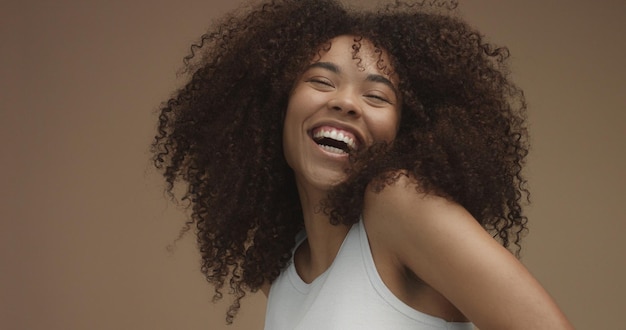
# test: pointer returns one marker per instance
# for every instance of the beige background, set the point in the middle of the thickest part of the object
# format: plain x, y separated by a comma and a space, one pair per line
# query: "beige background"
85, 225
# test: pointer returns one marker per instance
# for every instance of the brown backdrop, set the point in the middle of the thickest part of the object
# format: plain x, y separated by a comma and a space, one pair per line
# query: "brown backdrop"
84, 222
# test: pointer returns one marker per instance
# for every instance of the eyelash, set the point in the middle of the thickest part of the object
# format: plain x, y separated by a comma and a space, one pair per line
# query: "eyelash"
320, 81
379, 98
324, 82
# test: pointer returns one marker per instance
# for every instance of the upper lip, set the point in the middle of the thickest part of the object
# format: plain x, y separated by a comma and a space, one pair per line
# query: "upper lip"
358, 136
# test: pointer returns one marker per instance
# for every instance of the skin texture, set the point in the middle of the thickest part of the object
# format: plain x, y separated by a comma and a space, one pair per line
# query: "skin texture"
349, 95
228, 138
452, 257
337, 92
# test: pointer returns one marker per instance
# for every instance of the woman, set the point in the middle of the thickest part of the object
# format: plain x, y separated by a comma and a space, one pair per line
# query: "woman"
391, 141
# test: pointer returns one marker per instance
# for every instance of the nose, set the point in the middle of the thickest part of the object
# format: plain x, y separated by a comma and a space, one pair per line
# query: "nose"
345, 101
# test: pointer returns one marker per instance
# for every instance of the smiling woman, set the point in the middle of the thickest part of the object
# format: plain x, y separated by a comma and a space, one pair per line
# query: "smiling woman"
363, 169
338, 105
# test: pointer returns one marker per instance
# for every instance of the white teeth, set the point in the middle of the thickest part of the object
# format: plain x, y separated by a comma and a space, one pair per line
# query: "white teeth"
332, 149
335, 135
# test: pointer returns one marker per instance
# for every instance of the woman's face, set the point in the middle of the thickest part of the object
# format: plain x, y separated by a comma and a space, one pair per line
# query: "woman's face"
338, 104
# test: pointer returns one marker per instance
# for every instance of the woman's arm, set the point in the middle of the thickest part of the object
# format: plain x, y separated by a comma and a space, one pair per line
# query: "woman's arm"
447, 248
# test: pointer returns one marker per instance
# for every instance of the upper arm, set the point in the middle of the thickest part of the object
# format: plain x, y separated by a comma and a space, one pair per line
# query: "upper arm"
447, 248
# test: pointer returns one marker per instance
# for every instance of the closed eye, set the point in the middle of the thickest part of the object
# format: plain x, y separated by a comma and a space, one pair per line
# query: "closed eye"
378, 98
320, 81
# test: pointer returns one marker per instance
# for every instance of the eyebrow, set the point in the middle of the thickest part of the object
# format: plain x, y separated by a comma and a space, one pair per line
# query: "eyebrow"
324, 65
371, 77
380, 79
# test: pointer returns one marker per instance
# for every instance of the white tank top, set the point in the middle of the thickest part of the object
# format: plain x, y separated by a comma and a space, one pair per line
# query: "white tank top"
348, 295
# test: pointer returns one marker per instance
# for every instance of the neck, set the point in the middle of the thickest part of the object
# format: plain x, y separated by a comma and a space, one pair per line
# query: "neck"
323, 238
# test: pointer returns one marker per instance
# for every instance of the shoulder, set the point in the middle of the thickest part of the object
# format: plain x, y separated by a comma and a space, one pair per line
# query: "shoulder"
411, 223
444, 245
402, 209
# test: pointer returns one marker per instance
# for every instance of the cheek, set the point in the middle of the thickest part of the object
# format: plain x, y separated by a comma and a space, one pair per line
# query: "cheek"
291, 114
294, 109
385, 126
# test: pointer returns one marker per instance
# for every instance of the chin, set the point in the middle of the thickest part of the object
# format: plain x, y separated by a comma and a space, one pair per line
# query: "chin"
326, 180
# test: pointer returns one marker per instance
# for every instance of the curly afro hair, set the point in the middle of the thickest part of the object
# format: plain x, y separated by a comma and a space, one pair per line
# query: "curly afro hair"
462, 133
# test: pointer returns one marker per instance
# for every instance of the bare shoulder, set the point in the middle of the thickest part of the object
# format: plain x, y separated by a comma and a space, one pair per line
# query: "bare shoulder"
445, 246
416, 227
402, 207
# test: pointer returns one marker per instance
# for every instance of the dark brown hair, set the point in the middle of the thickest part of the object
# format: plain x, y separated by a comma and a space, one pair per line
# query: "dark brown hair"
462, 132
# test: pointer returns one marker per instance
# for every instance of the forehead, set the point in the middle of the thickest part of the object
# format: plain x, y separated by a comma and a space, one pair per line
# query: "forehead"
360, 51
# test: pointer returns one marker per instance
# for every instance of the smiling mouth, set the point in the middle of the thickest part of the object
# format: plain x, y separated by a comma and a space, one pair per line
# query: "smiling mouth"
334, 141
